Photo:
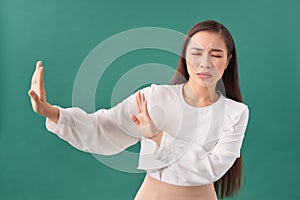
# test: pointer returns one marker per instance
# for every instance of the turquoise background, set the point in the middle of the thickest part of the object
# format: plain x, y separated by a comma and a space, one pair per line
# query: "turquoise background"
36, 164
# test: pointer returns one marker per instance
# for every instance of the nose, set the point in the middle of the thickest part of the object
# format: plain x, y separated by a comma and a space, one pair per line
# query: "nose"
204, 66
205, 62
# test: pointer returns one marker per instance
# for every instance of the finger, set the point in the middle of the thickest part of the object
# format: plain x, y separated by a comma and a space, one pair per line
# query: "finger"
134, 119
34, 77
38, 64
146, 109
138, 101
143, 97
41, 81
143, 102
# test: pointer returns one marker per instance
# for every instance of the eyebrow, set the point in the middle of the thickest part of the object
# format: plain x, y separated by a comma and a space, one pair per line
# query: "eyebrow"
218, 50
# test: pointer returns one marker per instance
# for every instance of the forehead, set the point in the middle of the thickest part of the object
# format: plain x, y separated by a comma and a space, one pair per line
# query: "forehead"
207, 40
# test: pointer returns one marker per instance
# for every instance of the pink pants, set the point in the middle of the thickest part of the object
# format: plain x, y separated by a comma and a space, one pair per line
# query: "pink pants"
153, 189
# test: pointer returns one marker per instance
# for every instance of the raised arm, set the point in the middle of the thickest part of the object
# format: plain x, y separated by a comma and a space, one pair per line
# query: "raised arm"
106, 131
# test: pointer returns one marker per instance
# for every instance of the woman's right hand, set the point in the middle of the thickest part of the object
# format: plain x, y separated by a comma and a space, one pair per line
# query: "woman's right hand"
37, 95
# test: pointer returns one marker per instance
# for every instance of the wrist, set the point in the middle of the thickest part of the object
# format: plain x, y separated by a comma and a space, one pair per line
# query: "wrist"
52, 113
157, 137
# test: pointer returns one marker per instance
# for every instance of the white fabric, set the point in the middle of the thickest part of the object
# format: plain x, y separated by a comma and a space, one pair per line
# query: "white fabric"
198, 145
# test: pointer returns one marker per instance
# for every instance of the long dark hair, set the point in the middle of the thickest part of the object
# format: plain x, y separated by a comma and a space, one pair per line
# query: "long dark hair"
230, 183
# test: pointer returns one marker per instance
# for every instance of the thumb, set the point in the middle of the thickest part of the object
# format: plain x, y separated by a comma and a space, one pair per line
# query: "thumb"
33, 95
134, 119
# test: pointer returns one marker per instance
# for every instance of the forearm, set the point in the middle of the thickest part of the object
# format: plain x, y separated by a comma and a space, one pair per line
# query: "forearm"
85, 132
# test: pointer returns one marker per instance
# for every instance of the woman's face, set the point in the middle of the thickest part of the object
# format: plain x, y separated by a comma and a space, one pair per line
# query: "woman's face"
206, 53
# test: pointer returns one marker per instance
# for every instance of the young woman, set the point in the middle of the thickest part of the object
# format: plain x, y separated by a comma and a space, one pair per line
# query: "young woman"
190, 148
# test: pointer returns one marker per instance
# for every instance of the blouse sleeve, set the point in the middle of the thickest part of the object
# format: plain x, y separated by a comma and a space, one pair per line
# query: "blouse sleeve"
105, 132
198, 163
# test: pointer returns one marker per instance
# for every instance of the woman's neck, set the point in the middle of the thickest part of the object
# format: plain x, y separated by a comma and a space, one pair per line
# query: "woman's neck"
199, 95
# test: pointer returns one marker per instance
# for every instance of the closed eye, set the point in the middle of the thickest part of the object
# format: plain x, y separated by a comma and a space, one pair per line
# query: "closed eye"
218, 56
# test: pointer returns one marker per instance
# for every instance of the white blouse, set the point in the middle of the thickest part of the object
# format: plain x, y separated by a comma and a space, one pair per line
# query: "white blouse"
198, 145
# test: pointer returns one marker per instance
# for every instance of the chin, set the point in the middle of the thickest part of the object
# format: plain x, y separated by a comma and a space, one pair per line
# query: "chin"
201, 82
205, 83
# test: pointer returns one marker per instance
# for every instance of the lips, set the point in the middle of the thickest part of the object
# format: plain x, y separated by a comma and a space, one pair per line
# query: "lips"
204, 75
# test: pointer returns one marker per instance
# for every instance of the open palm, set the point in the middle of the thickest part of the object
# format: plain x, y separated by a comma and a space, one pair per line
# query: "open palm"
143, 121
37, 91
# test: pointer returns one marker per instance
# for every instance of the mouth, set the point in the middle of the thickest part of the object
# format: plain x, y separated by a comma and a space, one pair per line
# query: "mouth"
204, 75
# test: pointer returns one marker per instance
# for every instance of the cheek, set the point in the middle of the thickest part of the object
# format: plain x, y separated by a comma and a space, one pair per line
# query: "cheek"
220, 64
219, 67
190, 67
192, 61
191, 70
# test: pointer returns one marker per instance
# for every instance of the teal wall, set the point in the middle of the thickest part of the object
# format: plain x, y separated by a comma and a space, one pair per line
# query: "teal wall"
36, 164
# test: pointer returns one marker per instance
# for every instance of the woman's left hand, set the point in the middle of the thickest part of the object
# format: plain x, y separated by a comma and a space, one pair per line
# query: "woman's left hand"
143, 122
